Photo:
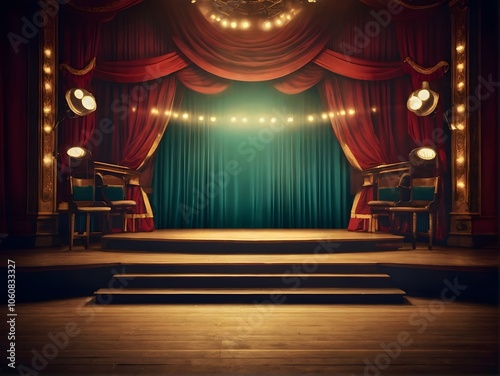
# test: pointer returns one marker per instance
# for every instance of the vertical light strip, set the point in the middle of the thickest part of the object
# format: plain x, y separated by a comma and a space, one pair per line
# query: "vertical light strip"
460, 120
48, 114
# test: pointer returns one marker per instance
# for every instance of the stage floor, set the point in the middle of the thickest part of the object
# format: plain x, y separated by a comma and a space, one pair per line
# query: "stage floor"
228, 244
230, 241
415, 271
256, 235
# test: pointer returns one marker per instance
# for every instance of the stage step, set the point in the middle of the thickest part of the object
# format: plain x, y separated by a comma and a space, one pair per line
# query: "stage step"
250, 283
253, 268
243, 280
255, 296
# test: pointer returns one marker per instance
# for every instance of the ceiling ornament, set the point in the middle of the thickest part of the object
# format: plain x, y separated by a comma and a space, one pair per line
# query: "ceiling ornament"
250, 14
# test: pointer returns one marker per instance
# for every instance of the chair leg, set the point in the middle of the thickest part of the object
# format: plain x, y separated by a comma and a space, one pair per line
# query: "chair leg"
71, 230
431, 230
107, 226
87, 229
414, 230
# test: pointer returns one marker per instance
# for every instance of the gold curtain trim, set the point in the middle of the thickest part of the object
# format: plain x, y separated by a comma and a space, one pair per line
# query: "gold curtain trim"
350, 156
423, 70
97, 9
149, 209
138, 216
78, 72
419, 7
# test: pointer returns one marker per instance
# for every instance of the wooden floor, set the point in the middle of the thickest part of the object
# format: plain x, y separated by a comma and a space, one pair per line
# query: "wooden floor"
423, 337
328, 240
443, 257
247, 240
255, 235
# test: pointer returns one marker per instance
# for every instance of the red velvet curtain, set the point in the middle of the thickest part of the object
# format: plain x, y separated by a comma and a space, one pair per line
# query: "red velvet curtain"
78, 50
300, 80
142, 69
370, 132
424, 41
365, 95
102, 9
78, 45
251, 55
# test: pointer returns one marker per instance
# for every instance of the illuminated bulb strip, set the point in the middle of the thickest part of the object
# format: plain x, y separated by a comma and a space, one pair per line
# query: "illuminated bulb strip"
244, 24
318, 117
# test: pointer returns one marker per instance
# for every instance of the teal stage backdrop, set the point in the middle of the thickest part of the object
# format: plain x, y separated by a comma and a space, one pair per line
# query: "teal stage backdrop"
276, 169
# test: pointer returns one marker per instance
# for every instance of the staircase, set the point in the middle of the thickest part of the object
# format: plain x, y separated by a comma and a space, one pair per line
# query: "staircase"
251, 283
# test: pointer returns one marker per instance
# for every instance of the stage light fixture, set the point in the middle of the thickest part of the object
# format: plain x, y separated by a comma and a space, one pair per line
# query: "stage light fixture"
80, 101
422, 157
80, 162
423, 102
77, 152
426, 154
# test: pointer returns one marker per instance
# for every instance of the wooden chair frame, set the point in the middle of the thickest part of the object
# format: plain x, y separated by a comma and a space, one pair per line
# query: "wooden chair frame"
83, 203
393, 184
120, 206
419, 204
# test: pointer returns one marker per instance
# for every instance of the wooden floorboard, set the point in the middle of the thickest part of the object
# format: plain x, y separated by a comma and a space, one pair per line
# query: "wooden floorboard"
255, 235
440, 257
422, 337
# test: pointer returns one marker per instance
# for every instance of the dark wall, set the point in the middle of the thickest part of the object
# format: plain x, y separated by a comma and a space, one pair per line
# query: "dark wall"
485, 86
19, 111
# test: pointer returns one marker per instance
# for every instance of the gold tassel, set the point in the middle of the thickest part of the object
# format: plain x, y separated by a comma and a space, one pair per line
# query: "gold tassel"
420, 69
78, 72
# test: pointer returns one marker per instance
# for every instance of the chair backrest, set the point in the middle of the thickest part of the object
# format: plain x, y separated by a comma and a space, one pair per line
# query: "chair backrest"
82, 189
389, 187
113, 188
424, 190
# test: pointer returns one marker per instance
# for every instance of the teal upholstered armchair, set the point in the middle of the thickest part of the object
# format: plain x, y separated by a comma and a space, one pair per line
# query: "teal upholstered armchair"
113, 191
392, 190
82, 202
423, 199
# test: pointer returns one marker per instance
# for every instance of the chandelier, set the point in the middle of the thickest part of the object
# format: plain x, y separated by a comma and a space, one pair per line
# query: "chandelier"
244, 14
250, 8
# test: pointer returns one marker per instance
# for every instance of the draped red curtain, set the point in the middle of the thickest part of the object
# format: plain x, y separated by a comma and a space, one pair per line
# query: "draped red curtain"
81, 21
252, 55
78, 46
424, 41
370, 132
365, 95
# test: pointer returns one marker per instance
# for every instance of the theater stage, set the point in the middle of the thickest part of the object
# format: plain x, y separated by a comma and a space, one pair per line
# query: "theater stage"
260, 253
251, 240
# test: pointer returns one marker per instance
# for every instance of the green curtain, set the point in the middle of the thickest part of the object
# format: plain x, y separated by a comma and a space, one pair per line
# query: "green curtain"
214, 170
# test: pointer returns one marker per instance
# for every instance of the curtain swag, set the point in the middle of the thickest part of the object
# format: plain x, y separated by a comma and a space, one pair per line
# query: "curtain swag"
78, 72
442, 65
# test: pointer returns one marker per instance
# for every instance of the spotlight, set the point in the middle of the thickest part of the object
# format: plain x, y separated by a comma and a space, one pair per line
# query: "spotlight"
422, 158
80, 162
426, 154
424, 101
77, 152
80, 101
